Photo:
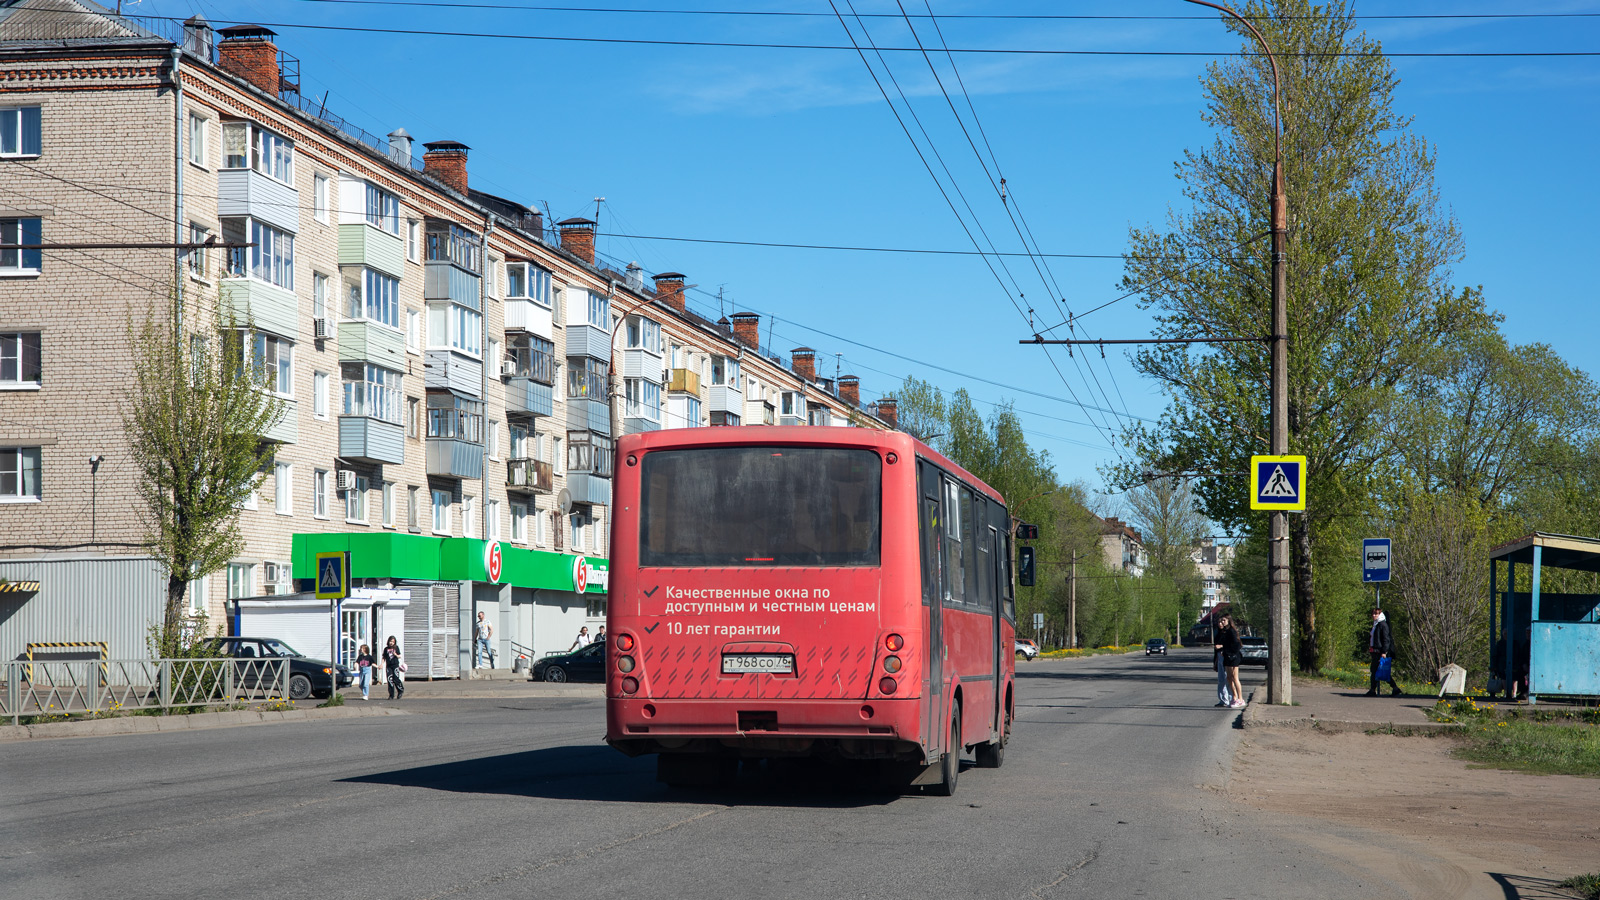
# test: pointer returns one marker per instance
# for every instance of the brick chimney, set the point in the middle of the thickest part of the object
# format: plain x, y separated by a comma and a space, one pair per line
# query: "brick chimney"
447, 162
577, 238
850, 389
803, 360
248, 52
889, 411
669, 290
747, 329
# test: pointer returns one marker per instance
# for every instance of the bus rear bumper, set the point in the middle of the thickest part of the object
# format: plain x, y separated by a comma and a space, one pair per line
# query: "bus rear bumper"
849, 729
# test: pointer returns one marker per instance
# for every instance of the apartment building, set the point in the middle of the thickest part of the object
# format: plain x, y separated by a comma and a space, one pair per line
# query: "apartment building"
1212, 560
454, 369
1122, 546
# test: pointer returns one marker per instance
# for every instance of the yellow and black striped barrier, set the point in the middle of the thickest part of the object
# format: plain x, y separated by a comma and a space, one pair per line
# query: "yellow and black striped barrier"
55, 646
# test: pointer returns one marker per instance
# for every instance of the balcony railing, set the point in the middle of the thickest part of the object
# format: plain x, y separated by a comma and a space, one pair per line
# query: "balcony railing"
532, 363
533, 475
684, 381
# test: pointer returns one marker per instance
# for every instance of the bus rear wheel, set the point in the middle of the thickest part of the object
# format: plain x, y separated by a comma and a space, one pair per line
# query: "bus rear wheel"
950, 764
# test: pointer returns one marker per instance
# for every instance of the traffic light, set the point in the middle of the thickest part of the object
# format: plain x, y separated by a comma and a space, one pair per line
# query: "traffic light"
1025, 566
1026, 532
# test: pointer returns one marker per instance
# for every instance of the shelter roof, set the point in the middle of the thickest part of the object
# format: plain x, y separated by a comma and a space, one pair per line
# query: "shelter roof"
1563, 551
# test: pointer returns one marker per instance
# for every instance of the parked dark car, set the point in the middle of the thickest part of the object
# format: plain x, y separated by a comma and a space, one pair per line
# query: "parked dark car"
1254, 651
1155, 645
307, 677
584, 664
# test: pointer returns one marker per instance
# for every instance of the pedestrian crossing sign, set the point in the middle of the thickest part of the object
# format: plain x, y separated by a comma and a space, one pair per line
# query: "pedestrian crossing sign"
1278, 483
333, 576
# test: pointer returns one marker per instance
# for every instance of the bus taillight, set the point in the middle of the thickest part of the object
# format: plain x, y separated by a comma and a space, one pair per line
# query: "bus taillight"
631, 685
891, 664
624, 642
886, 685
893, 642
625, 663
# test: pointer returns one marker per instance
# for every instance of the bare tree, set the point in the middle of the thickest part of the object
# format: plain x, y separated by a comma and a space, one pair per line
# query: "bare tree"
1441, 545
201, 400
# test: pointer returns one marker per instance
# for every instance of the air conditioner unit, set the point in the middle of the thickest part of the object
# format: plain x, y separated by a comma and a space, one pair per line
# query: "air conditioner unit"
508, 367
346, 480
319, 328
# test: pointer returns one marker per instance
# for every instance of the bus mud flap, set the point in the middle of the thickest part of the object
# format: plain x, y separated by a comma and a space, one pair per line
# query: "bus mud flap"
930, 773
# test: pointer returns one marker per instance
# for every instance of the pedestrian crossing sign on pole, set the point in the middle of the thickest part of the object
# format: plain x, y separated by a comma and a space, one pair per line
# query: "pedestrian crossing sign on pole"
1278, 483
333, 575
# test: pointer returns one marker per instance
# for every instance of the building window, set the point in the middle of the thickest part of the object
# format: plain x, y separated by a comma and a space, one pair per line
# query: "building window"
319, 395
272, 257
721, 417
643, 334
283, 489
558, 461
589, 453
388, 504
725, 370
531, 356
371, 391
274, 356
413, 504
319, 493
319, 295
197, 139
355, 502
494, 520
643, 399
319, 198
383, 209
21, 133
413, 330
441, 512
241, 580
519, 441
21, 365
413, 240
789, 401
599, 310
455, 417
582, 524
586, 378
469, 517
199, 257
414, 418
516, 281
519, 523
21, 231
494, 439
456, 327
276, 580
249, 146
374, 297
19, 474
455, 245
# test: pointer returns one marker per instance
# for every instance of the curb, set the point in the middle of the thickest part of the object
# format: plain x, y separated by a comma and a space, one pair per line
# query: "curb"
519, 692
1252, 719
192, 722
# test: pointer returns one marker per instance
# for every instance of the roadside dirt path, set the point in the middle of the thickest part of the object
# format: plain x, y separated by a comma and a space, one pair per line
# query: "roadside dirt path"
1403, 810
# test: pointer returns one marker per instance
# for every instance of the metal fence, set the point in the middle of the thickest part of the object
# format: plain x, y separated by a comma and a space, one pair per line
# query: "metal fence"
125, 685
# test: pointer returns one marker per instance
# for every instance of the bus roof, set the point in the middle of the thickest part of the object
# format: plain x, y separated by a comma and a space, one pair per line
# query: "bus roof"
797, 435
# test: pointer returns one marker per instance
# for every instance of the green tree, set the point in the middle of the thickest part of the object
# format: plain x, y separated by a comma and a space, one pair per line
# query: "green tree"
1369, 292
1168, 516
199, 404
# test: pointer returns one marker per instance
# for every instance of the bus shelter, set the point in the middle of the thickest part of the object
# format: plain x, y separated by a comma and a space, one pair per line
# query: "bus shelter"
1551, 639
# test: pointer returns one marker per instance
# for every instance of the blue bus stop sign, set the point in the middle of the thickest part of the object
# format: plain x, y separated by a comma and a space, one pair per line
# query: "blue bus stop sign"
1375, 559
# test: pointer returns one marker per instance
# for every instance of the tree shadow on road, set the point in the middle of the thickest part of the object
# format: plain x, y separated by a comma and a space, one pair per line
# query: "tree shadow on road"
1526, 887
599, 773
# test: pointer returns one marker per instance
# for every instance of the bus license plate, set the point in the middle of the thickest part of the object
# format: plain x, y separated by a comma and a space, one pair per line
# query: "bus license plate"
734, 663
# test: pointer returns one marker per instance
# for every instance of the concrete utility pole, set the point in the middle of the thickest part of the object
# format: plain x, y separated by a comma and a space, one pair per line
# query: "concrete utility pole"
1072, 604
1279, 687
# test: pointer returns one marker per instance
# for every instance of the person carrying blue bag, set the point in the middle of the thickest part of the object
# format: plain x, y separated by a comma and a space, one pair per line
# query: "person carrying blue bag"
1380, 646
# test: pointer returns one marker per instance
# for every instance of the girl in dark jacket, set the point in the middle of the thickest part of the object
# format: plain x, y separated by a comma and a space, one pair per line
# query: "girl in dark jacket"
391, 665
1232, 650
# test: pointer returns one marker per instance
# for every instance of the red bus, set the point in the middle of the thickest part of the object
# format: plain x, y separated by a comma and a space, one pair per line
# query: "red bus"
807, 591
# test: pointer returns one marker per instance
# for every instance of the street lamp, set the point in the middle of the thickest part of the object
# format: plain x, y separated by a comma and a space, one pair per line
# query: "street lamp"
1279, 687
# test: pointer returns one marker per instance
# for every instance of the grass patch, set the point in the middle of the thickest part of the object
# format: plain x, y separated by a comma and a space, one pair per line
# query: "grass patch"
1543, 742
336, 699
1585, 886
1085, 651
1359, 678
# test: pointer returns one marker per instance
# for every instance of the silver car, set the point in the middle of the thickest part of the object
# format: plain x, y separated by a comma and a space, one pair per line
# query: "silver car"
1026, 648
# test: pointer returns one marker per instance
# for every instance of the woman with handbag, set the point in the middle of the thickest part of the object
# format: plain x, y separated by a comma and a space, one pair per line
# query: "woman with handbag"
394, 667
1232, 657
1380, 645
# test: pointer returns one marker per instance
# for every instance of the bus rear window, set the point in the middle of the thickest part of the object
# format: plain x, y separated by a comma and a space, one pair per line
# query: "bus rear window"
760, 506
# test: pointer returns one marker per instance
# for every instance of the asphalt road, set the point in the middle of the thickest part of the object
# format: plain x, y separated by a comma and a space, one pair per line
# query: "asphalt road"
1109, 789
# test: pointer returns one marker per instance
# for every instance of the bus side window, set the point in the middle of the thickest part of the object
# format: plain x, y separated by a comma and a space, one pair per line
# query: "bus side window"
1003, 547
955, 590
928, 530
988, 584
969, 548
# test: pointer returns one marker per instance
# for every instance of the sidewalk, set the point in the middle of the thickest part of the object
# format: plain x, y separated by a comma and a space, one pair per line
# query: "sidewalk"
1323, 706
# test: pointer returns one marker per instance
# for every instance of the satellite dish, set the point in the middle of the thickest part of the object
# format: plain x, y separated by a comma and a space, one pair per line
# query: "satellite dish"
564, 501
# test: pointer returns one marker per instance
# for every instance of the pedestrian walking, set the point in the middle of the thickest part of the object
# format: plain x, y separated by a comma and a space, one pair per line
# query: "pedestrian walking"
364, 665
483, 647
1224, 693
1232, 650
600, 635
394, 667
1380, 646
582, 640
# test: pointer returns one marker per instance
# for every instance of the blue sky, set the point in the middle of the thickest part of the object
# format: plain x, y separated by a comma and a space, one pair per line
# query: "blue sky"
798, 146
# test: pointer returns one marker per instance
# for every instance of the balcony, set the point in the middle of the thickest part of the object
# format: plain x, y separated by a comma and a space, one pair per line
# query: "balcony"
637, 424
587, 488
363, 341
447, 370
266, 307
528, 397
587, 340
287, 429
645, 364
454, 458
446, 281
361, 244
531, 476
588, 415
526, 315
371, 440
791, 420
455, 437
723, 398
683, 381
246, 192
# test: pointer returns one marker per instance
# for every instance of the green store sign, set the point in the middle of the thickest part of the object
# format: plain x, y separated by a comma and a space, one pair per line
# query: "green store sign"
416, 557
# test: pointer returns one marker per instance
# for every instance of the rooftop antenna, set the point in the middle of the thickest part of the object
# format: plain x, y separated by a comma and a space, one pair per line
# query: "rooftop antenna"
722, 309
597, 202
